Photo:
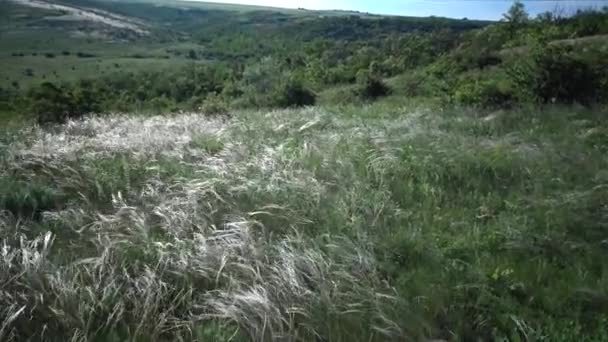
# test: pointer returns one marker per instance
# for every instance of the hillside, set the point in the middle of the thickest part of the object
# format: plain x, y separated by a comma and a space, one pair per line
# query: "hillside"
140, 35
186, 171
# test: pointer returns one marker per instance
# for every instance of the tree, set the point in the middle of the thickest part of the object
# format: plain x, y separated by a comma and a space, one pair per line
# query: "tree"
515, 17
516, 14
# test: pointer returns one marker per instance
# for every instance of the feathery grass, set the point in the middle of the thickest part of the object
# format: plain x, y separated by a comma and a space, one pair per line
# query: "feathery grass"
382, 222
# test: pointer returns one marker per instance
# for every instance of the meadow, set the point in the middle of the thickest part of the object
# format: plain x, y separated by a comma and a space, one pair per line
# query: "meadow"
234, 173
389, 221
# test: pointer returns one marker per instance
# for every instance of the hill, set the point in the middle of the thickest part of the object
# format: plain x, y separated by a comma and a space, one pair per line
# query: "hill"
175, 171
171, 55
84, 38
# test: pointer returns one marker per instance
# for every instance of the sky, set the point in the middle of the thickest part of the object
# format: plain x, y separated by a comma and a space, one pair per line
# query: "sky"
472, 9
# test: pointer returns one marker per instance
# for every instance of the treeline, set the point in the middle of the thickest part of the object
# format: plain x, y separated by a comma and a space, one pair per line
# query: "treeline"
212, 88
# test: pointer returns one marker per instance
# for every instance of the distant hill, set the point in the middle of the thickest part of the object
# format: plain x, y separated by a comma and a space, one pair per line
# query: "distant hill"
59, 40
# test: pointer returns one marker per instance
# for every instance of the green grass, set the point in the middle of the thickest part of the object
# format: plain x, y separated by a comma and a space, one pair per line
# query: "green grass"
373, 222
107, 58
65, 69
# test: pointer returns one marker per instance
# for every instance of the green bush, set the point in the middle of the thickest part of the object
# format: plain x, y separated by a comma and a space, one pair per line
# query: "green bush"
556, 74
370, 87
564, 78
49, 103
268, 84
52, 104
85, 55
163, 103
294, 94
214, 105
489, 93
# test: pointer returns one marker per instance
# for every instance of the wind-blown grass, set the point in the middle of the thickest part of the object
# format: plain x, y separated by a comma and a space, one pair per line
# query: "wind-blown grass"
373, 223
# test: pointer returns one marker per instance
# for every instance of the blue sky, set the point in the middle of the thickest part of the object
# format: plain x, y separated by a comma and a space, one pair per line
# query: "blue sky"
472, 9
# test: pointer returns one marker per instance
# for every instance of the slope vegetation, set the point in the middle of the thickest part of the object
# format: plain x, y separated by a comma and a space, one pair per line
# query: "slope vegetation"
366, 224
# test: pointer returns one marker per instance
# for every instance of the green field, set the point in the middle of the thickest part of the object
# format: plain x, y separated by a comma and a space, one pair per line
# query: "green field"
72, 68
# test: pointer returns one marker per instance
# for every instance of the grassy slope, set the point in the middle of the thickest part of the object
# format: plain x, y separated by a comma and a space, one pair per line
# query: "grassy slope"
353, 223
25, 31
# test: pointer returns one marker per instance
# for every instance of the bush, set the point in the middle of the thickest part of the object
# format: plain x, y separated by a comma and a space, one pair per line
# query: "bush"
370, 87
162, 103
484, 93
84, 55
49, 103
555, 74
84, 98
52, 104
564, 78
268, 84
214, 105
294, 94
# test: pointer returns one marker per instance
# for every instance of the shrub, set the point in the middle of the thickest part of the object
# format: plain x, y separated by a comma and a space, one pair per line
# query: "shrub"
484, 93
417, 84
52, 104
267, 84
84, 99
294, 94
84, 55
214, 105
564, 78
370, 87
162, 103
556, 74
49, 55
49, 103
